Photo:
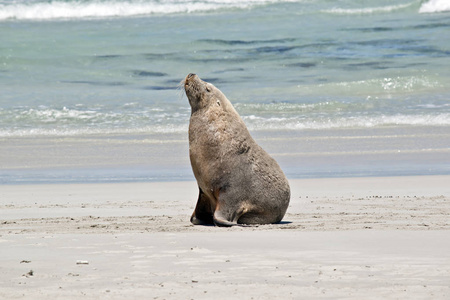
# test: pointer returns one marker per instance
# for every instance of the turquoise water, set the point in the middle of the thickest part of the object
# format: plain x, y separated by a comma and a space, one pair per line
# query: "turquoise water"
74, 69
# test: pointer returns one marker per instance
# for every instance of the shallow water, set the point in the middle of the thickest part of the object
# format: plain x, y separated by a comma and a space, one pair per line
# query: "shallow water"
291, 68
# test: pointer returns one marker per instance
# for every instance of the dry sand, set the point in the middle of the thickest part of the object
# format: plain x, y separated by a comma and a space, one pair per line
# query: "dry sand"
348, 238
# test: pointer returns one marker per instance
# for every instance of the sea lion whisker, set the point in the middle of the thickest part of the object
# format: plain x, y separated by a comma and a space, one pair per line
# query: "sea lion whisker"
180, 88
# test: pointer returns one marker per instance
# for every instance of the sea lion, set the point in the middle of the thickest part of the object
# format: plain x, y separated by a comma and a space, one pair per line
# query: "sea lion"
239, 182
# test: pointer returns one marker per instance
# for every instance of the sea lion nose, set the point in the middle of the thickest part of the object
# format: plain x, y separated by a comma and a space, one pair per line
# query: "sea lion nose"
190, 75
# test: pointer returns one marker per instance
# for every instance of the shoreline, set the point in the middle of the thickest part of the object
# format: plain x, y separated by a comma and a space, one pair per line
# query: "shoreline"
337, 153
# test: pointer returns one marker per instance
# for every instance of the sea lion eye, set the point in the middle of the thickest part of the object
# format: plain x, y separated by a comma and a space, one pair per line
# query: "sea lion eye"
208, 89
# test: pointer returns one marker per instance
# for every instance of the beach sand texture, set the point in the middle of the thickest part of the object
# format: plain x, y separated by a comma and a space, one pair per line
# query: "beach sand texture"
344, 238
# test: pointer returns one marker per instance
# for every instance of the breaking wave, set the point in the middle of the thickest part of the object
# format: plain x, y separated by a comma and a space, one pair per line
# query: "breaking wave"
91, 9
435, 6
295, 123
368, 10
273, 116
78, 9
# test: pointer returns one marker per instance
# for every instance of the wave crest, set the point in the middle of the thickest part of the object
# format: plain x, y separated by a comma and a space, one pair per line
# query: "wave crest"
434, 6
114, 8
367, 10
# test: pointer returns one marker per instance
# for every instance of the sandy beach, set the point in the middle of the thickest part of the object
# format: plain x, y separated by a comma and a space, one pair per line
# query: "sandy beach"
351, 98
345, 238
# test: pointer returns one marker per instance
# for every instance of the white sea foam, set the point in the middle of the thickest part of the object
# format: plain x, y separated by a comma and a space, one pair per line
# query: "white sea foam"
44, 121
433, 6
115, 8
65, 116
380, 86
78, 9
253, 122
298, 123
84, 131
367, 10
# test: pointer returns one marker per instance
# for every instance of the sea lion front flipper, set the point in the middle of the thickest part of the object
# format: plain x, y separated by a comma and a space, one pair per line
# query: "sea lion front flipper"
203, 214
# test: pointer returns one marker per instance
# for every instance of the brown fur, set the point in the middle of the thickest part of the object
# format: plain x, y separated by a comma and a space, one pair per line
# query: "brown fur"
239, 182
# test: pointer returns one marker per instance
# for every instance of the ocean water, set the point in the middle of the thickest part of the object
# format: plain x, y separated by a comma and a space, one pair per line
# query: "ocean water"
349, 76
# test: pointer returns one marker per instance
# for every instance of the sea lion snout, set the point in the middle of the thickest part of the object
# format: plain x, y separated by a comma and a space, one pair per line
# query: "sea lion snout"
192, 89
189, 77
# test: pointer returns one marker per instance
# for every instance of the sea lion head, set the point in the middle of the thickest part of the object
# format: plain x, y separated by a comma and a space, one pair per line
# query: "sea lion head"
201, 94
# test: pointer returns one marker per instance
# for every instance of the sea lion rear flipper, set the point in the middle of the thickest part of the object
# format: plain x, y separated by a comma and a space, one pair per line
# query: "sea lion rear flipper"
222, 222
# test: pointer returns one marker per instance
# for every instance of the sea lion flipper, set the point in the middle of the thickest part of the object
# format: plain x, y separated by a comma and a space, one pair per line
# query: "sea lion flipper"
202, 214
225, 215
221, 222
218, 221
